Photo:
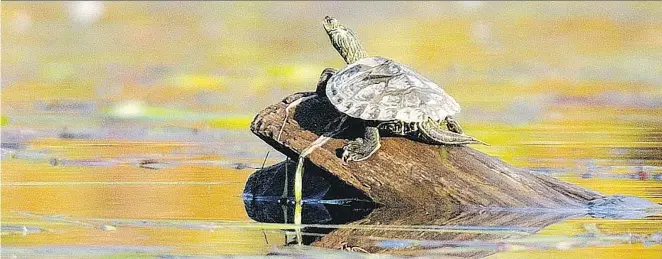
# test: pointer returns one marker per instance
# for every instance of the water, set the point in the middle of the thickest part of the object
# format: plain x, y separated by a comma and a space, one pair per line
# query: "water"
125, 126
102, 199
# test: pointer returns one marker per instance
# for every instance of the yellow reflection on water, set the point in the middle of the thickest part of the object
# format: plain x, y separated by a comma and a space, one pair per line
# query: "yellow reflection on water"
613, 251
72, 195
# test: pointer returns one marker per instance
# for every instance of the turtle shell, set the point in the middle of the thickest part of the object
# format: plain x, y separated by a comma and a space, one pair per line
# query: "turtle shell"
377, 88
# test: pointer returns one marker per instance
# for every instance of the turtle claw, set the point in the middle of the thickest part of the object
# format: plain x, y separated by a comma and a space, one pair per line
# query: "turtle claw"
345, 156
351, 151
362, 148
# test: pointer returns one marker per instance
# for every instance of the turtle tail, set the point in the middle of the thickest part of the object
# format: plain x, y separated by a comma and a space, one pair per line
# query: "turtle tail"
434, 133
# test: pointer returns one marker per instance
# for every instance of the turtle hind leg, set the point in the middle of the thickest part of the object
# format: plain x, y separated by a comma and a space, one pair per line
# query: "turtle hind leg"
362, 148
453, 125
432, 132
327, 73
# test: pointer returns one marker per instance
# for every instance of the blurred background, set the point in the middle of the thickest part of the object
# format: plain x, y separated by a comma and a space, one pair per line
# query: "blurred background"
202, 63
108, 108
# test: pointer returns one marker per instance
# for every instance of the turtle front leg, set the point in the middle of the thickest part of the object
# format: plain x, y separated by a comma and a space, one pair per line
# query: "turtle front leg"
324, 78
453, 125
362, 148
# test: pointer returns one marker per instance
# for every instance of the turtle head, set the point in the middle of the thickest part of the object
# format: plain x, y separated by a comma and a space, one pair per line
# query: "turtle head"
332, 24
344, 40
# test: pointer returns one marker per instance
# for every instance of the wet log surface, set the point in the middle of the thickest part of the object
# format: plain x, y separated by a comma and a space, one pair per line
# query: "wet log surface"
407, 173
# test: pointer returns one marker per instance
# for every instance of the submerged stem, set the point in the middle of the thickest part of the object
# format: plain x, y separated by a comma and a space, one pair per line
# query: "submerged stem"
298, 177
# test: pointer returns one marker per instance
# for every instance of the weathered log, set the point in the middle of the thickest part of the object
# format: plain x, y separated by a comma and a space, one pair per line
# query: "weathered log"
420, 231
407, 173
458, 234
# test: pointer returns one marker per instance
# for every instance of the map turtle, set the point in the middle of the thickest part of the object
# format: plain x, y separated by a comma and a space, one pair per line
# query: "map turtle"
387, 97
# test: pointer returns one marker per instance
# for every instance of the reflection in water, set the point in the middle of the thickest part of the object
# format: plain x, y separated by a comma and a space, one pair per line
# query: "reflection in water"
459, 234
426, 230
353, 223
382, 230
326, 200
266, 185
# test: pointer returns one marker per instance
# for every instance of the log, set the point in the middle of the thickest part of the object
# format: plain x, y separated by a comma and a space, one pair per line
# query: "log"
442, 233
407, 173
421, 231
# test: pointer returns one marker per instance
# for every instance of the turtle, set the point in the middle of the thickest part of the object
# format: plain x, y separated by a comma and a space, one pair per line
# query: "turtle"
386, 97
